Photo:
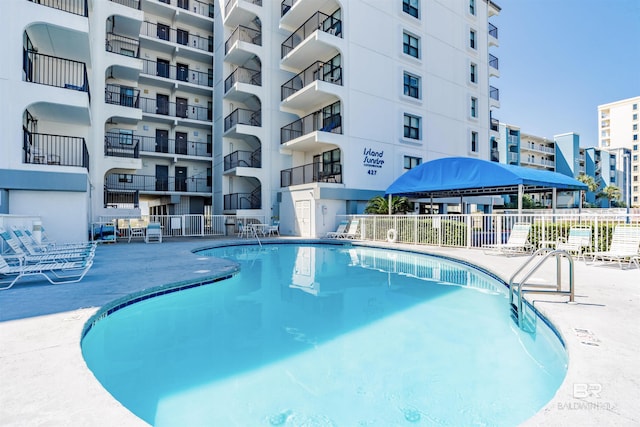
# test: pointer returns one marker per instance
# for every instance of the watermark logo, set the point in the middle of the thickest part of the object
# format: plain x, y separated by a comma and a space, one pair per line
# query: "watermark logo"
591, 391
584, 390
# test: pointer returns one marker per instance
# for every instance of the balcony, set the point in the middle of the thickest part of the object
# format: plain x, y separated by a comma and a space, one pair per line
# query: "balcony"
121, 199
241, 158
494, 96
121, 145
495, 155
152, 183
122, 95
324, 27
493, 66
175, 109
240, 46
238, 11
179, 146
300, 92
197, 7
134, 4
243, 75
53, 71
303, 133
122, 45
164, 33
312, 172
59, 150
76, 7
241, 116
493, 35
235, 201
180, 73
494, 125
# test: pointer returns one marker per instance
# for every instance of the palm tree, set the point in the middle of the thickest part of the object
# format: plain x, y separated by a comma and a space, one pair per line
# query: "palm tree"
591, 183
379, 205
611, 193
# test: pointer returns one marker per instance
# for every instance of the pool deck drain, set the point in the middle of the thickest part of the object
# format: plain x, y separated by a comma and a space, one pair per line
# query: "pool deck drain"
44, 379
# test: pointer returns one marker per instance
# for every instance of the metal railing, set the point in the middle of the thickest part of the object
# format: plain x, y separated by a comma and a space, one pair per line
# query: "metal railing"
151, 183
152, 144
311, 123
236, 201
181, 74
173, 109
494, 93
241, 116
121, 199
494, 125
122, 45
229, 4
242, 158
318, 22
243, 34
119, 145
493, 30
312, 172
182, 37
243, 75
285, 6
122, 95
54, 71
76, 7
493, 61
319, 70
60, 150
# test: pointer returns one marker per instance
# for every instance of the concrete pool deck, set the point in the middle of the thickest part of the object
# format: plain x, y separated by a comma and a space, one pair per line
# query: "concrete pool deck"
45, 381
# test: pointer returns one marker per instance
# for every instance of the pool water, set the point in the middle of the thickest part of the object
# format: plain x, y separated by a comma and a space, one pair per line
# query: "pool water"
326, 335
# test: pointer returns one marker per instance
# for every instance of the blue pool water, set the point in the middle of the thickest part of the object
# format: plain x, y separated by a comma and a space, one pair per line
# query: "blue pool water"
325, 335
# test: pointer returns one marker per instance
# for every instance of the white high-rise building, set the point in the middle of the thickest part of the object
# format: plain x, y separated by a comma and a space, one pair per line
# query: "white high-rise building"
618, 124
299, 110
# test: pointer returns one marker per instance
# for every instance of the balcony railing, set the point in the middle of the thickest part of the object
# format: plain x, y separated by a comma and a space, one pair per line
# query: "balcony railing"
319, 21
53, 71
241, 158
181, 37
312, 172
317, 71
243, 75
181, 73
122, 45
173, 109
128, 182
121, 145
197, 7
285, 6
494, 93
311, 123
48, 149
134, 4
236, 201
152, 144
121, 199
495, 155
493, 61
77, 7
494, 125
493, 30
243, 34
122, 95
227, 5
241, 116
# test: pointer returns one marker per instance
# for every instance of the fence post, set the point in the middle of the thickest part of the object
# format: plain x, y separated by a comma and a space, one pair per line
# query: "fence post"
415, 230
469, 229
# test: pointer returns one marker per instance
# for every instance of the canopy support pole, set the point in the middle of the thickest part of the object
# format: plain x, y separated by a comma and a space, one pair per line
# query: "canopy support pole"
520, 197
390, 204
431, 210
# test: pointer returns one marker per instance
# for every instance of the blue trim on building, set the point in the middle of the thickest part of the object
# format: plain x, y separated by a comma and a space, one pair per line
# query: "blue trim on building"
12, 179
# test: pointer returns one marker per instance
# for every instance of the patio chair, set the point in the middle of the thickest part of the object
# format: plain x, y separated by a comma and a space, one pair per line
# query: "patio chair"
35, 250
49, 244
351, 232
273, 229
517, 243
13, 269
154, 233
625, 247
54, 256
342, 227
578, 240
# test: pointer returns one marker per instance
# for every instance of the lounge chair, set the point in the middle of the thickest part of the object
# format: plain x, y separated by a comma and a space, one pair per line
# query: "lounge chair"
625, 247
517, 243
19, 250
342, 227
351, 232
34, 250
154, 233
51, 245
13, 269
579, 239
273, 229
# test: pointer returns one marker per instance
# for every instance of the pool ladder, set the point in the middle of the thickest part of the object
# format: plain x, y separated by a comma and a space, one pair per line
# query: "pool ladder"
518, 285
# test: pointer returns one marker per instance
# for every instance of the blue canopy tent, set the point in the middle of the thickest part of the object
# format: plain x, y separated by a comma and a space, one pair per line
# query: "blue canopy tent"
465, 176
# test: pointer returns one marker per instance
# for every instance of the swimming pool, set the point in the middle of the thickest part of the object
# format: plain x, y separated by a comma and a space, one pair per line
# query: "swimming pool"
327, 335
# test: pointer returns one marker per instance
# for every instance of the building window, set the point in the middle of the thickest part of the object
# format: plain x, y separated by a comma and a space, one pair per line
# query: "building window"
472, 39
411, 85
635, 168
411, 45
410, 7
472, 7
474, 107
411, 126
635, 137
635, 116
635, 127
635, 147
473, 73
474, 141
635, 107
125, 178
411, 162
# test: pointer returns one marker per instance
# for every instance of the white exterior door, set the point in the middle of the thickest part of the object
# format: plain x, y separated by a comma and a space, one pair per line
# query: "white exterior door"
303, 218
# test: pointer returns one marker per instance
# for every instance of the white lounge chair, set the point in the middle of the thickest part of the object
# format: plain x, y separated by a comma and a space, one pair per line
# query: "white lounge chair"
351, 232
624, 247
154, 233
47, 244
12, 270
342, 227
578, 240
517, 243
53, 256
35, 250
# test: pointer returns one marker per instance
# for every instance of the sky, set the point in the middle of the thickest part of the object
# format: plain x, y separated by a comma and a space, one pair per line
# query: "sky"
560, 59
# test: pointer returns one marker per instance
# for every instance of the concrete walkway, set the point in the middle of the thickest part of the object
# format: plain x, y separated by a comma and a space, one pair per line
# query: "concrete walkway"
44, 379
